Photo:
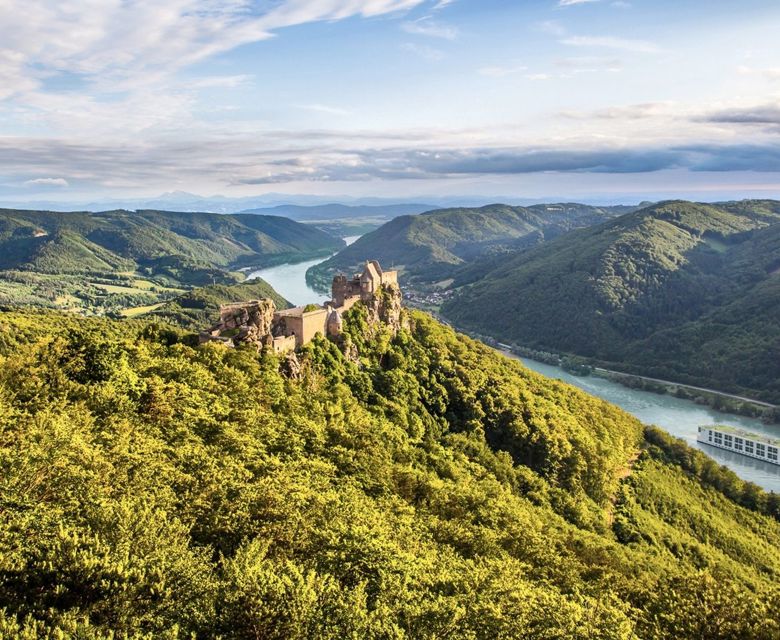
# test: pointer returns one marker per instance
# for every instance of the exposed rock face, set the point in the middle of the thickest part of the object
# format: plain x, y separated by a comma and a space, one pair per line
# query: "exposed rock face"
291, 366
386, 306
243, 323
257, 315
252, 335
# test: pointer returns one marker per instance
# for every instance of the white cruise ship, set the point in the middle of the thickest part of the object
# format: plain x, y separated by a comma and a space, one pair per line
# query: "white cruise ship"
748, 444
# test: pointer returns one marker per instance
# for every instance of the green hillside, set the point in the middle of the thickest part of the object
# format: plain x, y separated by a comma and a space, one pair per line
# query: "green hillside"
679, 290
199, 308
430, 246
94, 262
145, 236
423, 487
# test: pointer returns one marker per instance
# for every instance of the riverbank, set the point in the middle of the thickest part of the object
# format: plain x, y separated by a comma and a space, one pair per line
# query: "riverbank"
677, 416
289, 279
720, 400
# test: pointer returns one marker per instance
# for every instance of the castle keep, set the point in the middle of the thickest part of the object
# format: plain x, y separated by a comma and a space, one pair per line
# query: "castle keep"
362, 286
260, 323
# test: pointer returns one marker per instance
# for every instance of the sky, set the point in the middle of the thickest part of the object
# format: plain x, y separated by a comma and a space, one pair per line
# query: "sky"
622, 100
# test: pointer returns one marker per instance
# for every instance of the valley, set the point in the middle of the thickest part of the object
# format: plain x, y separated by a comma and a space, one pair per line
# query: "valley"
108, 262
677, 291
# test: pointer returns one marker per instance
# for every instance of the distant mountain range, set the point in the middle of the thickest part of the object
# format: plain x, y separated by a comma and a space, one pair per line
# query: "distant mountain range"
184, 201
678, 290
340, 211
434, 245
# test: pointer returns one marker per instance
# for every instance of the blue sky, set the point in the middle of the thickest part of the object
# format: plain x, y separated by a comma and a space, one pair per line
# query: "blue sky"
540, 99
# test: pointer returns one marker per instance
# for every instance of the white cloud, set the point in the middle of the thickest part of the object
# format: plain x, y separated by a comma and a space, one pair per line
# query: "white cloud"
46, 182
324, 108
770, 73
126, 53
570, 3
427, 27
122, 38
14, 79
611, 42
587, 64
223, 82
653, 135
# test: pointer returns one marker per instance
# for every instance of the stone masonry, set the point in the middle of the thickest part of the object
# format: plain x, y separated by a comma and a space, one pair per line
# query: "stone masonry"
259, 323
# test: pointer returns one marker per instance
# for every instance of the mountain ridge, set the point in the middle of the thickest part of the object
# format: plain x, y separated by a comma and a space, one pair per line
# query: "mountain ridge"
432, 245
660, 291
114, 260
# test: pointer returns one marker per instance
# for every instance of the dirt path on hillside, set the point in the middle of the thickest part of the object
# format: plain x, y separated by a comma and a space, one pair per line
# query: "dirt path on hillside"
622, 475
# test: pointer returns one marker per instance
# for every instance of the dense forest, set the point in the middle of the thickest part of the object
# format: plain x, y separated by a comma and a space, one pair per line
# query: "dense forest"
420, 486
680, 291
431, 246
109, 261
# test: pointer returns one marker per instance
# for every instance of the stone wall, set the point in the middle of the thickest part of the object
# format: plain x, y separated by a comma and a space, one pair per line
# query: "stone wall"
303, 325
283, 344
258, 323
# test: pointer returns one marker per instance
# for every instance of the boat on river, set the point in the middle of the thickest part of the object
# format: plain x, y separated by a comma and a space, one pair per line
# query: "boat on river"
740, 441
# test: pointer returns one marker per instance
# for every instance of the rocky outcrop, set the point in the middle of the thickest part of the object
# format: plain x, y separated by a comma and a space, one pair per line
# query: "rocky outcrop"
257, 314
290, 367
387, 307
243, 323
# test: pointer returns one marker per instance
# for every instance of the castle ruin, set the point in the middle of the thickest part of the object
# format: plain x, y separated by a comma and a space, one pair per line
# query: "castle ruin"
259, 322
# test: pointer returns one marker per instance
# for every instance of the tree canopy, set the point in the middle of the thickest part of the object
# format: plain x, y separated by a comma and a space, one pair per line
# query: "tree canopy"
420, 486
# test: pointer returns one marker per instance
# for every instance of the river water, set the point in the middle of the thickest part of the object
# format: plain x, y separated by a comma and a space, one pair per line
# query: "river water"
289, 280
679, 417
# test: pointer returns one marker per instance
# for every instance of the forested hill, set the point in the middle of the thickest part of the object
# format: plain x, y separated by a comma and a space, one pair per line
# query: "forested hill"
431, 245
198, 308
681, 291
128, 262
53, 242
420, 487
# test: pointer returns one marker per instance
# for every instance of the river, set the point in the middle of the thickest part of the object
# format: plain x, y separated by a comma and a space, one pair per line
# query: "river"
679, 417
289, 280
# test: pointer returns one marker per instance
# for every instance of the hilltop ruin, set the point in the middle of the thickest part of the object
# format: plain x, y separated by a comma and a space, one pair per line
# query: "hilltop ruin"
258, 322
